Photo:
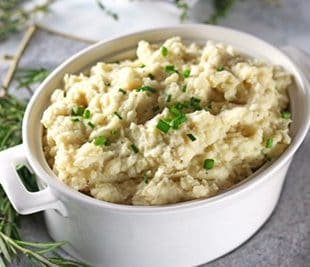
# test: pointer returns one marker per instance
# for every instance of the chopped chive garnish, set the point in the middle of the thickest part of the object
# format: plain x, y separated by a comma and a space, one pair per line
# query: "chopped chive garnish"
100, 141
220, 69
145, 178
286, 115
122, 91
178, 117
142, 66
186, 73
116, 62
184, 87
163, 126
134, 148
118, 115
91, 125
75, 119
107, 83
174, 110
269, 143
146, 88
195, 103
175, 123
86, 114
168, 99
151, 76
192, 137
179, 105
208, 164
170, 69
77, 111
168, 120
164, 51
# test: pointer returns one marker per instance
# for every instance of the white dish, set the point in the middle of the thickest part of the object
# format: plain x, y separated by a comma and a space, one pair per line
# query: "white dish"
184, 234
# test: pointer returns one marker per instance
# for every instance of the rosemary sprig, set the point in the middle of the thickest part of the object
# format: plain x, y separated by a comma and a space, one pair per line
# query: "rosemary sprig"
28, 77
14, 16
35, 251
11, 245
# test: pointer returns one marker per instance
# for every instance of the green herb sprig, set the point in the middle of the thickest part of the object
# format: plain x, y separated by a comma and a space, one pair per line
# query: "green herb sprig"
28, 77
14, 16
11, 244
34, 251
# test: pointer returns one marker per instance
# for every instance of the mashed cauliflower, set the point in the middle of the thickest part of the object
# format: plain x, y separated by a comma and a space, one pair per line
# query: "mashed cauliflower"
179, 122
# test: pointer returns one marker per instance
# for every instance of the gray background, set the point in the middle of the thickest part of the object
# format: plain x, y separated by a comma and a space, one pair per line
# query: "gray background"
285, 238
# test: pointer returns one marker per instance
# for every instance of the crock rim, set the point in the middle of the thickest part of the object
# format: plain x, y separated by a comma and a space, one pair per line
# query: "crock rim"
250, 182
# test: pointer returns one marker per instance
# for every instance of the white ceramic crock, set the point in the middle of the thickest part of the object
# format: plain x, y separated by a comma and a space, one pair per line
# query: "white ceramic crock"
185, 234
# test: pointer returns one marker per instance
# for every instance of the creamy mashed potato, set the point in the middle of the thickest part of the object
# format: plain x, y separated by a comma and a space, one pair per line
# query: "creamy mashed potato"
179, 122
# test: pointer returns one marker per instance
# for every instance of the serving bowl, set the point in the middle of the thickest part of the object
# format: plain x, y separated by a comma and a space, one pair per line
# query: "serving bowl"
183, 234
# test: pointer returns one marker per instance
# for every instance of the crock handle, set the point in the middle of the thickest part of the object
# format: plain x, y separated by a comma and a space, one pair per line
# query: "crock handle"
23, 201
